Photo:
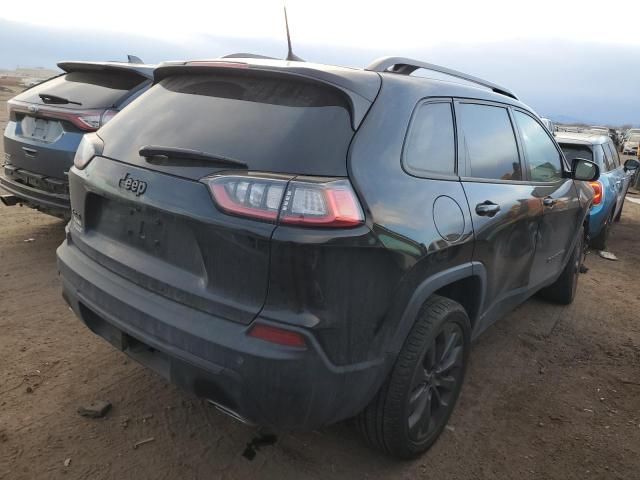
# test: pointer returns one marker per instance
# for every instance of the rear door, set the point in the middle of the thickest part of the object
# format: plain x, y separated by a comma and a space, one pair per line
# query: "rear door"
620, 178
505, 209
560, 204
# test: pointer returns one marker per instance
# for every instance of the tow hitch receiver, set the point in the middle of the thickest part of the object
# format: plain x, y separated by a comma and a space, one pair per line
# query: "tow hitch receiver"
9, 200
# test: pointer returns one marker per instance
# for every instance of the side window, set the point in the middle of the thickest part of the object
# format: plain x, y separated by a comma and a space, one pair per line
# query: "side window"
430, 145
608, 162
600, 160
614, 154
545, 164
489, 142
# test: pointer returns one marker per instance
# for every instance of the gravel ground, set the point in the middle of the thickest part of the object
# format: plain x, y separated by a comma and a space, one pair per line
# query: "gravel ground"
551, 392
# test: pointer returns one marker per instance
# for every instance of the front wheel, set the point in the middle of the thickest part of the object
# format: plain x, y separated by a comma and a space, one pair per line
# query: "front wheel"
413, 406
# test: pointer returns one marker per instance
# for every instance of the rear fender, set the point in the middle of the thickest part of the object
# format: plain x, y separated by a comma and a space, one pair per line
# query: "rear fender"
426, 289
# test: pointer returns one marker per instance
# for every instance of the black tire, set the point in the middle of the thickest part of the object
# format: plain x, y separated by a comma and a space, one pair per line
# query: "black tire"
619, 215
563, 290
413, 406
599, 242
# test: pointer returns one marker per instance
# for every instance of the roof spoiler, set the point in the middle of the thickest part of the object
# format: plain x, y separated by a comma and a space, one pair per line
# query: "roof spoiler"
145, 71
406, 66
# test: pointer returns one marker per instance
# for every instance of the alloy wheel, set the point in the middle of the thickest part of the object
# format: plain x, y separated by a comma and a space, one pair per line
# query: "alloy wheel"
436, 382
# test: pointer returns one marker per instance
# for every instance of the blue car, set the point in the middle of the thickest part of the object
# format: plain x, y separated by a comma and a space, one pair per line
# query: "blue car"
47, 122
610, 189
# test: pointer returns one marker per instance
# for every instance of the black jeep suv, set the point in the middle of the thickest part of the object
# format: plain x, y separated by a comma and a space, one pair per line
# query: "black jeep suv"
47, 122
302, 244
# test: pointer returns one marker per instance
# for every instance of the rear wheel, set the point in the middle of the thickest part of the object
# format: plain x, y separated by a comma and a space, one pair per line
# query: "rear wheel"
413, 406
619, 215
599, 242
563, 290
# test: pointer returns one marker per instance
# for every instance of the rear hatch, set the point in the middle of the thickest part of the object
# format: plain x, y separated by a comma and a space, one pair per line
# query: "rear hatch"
46, 122
171, 238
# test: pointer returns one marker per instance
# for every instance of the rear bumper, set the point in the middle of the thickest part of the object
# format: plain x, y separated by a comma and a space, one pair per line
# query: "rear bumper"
56, 204
262, 383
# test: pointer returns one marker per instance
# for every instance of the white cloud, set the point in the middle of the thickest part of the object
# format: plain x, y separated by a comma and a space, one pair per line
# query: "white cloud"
361, 24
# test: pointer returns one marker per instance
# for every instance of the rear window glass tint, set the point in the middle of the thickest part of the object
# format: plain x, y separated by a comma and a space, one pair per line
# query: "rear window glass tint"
576, 151
271, 123
489, 142
430, 143
91, 89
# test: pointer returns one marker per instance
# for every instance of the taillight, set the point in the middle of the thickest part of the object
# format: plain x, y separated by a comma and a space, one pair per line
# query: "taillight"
86, 120
277, 335
598, 192
304, 202
327, 204
90, 146
107, 115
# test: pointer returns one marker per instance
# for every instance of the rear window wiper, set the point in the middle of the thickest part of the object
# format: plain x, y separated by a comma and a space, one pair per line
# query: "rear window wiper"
56, 100
164, 156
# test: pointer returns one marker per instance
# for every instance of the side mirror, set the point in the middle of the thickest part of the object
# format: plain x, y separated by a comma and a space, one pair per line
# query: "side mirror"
585, 170
631, 165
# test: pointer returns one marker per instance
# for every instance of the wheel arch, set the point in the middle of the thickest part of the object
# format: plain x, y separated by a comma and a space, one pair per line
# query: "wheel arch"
465, 284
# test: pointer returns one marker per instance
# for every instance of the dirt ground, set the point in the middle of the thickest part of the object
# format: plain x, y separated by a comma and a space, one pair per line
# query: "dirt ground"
552, 392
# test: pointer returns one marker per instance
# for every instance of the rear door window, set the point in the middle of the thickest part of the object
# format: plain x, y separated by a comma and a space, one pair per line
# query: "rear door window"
613, 154
543, 158
430, 144
489, 142
100, 89
608, 161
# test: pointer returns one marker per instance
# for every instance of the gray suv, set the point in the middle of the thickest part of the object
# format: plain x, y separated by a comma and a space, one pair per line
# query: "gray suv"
47, 122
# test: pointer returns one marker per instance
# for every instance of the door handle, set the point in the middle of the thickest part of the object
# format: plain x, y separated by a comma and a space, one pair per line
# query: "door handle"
487, 209
549, 201
29, 152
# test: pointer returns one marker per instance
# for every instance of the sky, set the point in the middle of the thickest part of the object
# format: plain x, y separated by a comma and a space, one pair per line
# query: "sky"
573, 61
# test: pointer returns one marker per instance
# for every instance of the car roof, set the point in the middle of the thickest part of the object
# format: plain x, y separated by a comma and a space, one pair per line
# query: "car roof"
145, 70
581, 138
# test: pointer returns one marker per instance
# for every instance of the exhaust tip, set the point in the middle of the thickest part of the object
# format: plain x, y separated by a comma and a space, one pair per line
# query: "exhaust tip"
9, 200
231, 413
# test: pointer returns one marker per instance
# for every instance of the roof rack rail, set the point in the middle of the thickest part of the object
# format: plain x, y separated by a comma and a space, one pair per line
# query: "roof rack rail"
248, 55
406, 66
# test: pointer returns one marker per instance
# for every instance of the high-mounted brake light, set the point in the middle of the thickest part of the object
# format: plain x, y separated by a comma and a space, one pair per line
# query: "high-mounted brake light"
304, 202
598, 192
277, 335
88, 120
213, 63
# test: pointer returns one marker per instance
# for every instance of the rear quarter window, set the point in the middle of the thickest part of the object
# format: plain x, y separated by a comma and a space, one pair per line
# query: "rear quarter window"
100, 89
430, 143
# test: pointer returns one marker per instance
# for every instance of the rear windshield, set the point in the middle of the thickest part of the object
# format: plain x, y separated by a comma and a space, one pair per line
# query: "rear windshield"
576, 151
271, 123
92, 89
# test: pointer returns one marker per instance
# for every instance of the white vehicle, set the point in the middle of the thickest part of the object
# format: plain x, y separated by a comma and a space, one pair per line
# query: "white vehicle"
631, 144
